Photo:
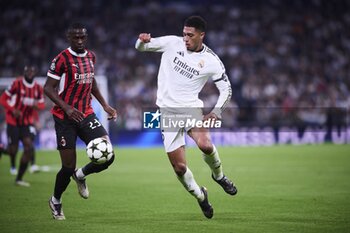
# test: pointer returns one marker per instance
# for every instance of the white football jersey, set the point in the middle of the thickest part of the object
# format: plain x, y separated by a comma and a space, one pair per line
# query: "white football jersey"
182, 73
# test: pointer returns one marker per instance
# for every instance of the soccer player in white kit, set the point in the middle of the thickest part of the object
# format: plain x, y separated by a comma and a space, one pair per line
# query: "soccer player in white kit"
185, 67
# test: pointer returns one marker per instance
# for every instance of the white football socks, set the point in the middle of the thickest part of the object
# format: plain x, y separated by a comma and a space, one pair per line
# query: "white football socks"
191, 185
214, 162
79, 173
55, 201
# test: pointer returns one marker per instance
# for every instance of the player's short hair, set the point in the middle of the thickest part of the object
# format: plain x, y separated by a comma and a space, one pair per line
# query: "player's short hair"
76, 25
30, 66
197, 22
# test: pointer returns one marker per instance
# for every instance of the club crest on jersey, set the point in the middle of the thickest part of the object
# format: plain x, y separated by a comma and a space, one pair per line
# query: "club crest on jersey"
201, 64
63, 141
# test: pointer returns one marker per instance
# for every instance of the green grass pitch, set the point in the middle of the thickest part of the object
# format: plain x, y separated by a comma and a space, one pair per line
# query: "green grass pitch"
280, 189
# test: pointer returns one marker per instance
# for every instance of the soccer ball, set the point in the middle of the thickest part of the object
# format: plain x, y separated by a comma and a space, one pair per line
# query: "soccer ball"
99, 150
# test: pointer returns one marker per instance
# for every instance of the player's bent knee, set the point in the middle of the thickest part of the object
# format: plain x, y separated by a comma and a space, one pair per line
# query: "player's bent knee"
180, 169
28, 148
206, 146
105, 165
67, 171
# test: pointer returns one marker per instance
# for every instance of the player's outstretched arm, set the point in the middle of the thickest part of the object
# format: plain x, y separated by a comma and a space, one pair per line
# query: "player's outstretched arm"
112, 112
4, 101
142, 40
145, 37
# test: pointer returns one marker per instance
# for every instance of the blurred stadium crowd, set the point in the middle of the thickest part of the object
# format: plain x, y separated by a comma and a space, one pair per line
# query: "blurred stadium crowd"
288, 61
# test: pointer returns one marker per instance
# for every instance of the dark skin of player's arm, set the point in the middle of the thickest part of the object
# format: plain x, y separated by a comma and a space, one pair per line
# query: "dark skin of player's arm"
50, 89
108, 109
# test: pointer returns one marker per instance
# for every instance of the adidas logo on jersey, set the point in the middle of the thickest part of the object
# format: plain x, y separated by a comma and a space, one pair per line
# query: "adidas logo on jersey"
181, 53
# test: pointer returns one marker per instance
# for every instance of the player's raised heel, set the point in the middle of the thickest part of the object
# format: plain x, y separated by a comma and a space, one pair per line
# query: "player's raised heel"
57, 211
227, 185
206, 207
82, 186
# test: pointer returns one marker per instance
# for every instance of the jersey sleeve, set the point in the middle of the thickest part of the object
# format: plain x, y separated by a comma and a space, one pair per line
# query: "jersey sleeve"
7, 95
12, 89
57, 68
223, 84
158, 44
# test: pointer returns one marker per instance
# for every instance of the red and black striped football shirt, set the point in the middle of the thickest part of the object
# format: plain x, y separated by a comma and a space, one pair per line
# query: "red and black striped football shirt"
76, 73
22, 95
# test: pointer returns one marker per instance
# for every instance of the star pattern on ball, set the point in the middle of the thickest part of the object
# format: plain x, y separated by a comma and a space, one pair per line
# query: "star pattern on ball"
99, 150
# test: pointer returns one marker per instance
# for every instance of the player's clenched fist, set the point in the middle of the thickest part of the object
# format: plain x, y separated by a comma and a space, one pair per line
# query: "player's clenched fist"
145, 37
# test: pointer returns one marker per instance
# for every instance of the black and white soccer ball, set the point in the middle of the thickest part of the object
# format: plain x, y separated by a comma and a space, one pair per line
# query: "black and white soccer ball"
99, 150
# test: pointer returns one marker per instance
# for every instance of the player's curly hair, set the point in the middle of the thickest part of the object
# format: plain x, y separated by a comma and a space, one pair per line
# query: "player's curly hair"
197, 22
76, 25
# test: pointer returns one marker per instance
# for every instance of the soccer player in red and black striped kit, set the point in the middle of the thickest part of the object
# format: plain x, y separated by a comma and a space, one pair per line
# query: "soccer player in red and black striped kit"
21, 100
74, 117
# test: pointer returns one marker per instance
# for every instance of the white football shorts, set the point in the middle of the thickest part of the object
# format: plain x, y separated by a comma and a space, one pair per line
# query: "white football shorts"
175, 123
